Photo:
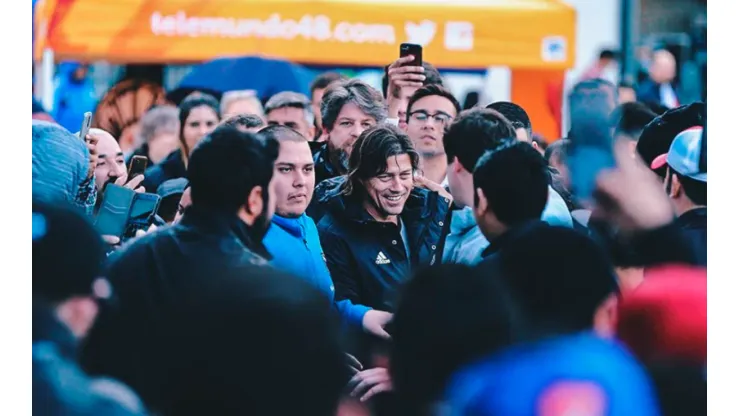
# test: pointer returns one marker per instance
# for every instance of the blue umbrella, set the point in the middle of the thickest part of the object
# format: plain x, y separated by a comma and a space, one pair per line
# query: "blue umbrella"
264, 75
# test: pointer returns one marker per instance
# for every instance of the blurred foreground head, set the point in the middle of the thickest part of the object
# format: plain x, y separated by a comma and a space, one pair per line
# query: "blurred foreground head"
247, 341
60, 163
448, 316
665, 318
569, 289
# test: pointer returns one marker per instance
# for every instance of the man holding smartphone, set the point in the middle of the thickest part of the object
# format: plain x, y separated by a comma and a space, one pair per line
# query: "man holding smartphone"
110, 166
400, 82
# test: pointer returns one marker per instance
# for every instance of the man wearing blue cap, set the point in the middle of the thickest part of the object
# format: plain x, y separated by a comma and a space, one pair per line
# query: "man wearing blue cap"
686, 184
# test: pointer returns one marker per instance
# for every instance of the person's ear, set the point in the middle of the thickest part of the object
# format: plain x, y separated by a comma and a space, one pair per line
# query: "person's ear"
457, 167
605, 318
676, 188
481, 205
255, 202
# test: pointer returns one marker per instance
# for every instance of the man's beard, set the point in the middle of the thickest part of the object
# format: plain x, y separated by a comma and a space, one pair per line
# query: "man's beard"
338, 158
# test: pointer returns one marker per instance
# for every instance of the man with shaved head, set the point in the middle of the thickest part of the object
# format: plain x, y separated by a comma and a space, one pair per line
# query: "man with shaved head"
660, 88
111, 166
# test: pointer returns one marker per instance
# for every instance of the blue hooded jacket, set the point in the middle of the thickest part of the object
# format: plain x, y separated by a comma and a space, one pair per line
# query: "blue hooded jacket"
295, 247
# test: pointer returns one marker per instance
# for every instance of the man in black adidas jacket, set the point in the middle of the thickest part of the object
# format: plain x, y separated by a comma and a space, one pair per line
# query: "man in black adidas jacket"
378, 226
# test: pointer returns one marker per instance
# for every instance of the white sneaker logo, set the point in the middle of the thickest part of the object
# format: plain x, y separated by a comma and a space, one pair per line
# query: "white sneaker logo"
381, 259
459, 36
421, 33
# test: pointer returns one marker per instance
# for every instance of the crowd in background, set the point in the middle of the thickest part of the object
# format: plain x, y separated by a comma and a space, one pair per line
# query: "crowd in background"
365, 252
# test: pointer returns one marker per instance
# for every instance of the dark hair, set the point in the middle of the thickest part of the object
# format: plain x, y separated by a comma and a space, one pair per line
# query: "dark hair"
370, 153
515, 180
557, 149
448, 316
429, 90
226, 165
187, 105
561, 291
340, 93
281, 133
515, 114
247, 121
540, 140
658, 135
323, 80
472, 99
473, 132
695, 190
433, 77
229, 371
608, 54
630, 119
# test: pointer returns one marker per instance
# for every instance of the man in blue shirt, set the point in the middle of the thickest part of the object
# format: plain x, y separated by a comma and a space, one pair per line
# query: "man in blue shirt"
293, 239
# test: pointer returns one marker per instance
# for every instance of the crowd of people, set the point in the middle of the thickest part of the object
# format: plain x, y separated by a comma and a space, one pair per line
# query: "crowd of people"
365, 252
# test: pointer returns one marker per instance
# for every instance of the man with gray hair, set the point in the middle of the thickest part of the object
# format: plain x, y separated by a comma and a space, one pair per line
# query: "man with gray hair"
62, 168
291, 109
159, 129
240, 102
348, 108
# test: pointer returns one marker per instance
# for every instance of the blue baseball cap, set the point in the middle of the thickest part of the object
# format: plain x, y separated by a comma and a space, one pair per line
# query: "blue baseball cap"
684, 155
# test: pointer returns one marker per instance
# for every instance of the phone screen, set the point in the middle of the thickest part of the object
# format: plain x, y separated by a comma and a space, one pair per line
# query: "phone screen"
86, 123
137, 166
143, 209
592, 144
411, 49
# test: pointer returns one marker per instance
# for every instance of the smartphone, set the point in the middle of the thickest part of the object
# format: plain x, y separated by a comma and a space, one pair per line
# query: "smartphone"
592, 145
112, 217
142, 212
137, 166
86, 123
411, 49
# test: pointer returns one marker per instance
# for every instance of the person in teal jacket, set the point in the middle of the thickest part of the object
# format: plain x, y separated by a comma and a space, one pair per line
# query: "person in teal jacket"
293, 240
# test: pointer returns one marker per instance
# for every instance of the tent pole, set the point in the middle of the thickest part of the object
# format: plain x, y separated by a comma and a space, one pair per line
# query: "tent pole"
45, 80
629, 16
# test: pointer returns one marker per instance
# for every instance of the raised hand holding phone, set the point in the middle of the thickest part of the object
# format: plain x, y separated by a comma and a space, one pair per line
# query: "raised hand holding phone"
406, 71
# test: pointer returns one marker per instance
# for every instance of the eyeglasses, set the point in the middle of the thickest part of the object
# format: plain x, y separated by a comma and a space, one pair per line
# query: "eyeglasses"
440, 119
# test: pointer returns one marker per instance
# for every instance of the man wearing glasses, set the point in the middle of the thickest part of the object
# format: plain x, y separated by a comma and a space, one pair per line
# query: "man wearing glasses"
431, 109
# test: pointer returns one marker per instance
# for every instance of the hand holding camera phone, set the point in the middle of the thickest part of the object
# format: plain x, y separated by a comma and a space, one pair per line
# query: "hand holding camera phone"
137, 166
124, 212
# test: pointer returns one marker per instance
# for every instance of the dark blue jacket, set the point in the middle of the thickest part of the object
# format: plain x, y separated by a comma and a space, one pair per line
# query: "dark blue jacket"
367, 259
295, 248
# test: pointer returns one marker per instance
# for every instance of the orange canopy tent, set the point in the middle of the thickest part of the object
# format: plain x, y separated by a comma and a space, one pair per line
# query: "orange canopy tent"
535, 38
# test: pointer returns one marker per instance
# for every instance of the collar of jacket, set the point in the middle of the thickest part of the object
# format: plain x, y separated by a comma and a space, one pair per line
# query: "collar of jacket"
418, 206
509, 235
322, 163
693, 217
226, 223
293, 226
463, 220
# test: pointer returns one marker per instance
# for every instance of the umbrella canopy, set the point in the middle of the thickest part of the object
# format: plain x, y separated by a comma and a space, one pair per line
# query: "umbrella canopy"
263, 75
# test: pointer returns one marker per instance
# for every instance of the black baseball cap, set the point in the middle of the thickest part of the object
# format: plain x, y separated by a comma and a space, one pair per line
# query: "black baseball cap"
68, 254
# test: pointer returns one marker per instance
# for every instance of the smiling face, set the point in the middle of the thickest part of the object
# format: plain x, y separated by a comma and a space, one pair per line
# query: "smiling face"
387, 193
350, 123
293, 180
428, 120
201, 121
111, 164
